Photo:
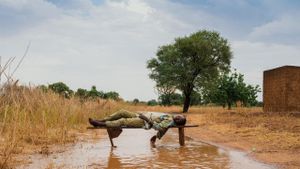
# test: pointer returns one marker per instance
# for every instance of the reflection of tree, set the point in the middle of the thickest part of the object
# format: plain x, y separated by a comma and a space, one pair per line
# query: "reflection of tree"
113, 160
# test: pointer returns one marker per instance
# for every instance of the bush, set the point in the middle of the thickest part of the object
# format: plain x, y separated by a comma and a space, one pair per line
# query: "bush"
152, 102
61, 89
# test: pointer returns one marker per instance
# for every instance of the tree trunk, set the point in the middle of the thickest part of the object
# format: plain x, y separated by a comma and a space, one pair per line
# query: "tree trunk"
229, 106
187, 102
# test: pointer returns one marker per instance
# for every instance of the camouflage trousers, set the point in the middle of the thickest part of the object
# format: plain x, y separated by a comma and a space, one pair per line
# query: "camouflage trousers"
124, 118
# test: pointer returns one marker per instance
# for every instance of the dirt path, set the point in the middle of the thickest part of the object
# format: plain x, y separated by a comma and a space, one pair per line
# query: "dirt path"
218, 134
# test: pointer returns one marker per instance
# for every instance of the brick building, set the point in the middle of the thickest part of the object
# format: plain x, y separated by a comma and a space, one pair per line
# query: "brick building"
281, 89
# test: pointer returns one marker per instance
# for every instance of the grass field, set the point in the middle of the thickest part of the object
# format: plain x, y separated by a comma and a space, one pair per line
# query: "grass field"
32, 119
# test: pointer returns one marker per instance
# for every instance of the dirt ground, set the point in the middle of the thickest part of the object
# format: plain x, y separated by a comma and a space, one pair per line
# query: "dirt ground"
269, 138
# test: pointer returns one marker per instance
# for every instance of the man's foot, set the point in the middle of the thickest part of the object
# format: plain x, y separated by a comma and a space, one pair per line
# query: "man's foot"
96, 123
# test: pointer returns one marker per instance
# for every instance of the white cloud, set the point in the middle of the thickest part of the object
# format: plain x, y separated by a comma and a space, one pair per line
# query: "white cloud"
137, 6
108, 45
285, 29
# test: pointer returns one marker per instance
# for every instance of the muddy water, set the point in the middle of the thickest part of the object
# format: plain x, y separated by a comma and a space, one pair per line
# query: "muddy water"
134, 151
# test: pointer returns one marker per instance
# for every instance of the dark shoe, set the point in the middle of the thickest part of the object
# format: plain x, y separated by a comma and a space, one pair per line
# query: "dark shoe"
96, 123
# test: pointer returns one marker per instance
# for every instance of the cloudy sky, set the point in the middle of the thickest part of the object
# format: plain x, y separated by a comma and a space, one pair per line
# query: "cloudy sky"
107, 42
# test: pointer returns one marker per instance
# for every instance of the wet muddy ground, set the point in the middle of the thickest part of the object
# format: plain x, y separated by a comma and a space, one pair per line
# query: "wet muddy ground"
134, 151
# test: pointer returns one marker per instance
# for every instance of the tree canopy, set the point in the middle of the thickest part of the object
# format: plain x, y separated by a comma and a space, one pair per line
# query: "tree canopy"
189, 62
231, 88
170, 99
61, 88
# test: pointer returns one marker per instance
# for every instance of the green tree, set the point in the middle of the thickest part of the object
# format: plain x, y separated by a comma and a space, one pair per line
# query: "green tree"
61, 89
190, 62
230, 88
94, 93
170, 99
111, 95
81, 93
152, 102
135, 101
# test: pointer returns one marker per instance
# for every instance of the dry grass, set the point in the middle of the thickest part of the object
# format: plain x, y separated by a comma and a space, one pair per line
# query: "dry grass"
30, 117
269, 131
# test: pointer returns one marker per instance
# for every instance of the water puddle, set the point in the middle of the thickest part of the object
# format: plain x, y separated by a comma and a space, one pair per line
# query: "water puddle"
134, 151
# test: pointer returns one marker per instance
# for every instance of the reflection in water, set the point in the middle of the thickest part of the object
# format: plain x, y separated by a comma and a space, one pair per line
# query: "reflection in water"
167, 154
113, 160
134, 151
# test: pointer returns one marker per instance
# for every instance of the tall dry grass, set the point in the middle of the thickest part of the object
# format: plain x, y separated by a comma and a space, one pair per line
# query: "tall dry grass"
31, 117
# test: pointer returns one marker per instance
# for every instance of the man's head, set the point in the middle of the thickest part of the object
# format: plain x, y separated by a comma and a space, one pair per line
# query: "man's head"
179, 120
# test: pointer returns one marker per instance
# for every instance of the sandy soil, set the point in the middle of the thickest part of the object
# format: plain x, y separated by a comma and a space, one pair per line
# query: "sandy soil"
215, 134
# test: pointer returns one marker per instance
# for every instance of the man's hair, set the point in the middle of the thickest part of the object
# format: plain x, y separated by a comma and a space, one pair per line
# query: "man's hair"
179, 120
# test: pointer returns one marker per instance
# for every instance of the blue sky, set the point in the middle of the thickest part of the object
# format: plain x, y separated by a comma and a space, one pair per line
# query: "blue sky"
107, 42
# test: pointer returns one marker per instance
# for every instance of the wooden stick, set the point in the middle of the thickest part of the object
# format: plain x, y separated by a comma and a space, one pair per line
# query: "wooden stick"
124, 127
181, 136
110, 137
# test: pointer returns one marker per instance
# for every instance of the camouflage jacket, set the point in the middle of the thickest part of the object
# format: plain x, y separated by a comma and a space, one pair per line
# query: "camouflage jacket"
161, 122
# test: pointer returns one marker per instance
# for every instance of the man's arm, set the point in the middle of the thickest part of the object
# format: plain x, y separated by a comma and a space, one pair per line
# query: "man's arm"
163, 126
161, 132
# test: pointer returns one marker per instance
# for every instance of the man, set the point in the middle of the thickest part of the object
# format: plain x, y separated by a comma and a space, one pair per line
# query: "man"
158, 121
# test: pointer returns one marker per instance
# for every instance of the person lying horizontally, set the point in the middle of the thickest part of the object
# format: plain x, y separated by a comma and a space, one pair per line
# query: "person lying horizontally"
158, 121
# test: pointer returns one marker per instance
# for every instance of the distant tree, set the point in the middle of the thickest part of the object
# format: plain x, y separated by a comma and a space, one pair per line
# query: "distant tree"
170, 99
44, 88
61, 89
230, 88
152, 102
81, 93
94, 93
111, 95
135, 101
190, 61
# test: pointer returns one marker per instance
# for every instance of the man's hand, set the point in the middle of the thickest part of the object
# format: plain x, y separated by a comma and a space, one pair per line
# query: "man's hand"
152, 140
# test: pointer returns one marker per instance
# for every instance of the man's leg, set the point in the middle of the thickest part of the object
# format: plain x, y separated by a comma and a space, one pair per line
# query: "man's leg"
119, 115
126, 122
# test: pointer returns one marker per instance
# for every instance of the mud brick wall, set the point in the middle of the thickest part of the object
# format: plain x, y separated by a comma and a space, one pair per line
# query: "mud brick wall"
281, 87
